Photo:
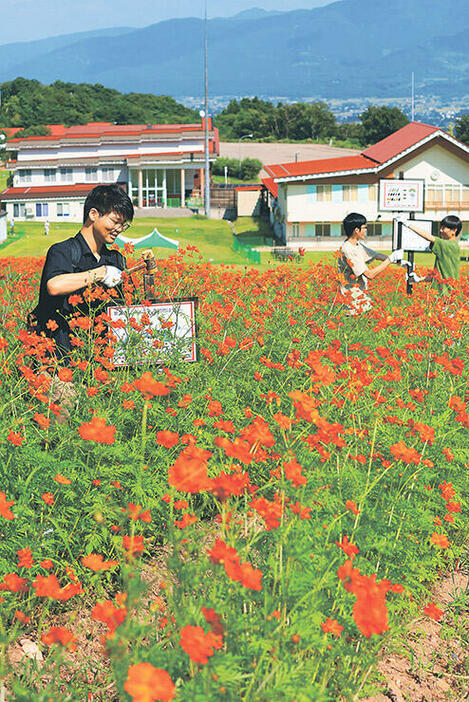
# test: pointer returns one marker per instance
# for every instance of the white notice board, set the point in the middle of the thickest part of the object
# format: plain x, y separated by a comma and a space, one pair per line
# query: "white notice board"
401, 195
410, 241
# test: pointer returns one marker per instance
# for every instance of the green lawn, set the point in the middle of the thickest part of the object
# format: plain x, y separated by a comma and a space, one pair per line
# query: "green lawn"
213, 238
3, 179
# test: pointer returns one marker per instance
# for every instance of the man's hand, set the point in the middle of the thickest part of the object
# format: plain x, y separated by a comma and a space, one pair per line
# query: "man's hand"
396, 255
112, 277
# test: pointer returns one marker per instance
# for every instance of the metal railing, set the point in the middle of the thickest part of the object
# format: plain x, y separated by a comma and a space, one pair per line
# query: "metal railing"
247, 251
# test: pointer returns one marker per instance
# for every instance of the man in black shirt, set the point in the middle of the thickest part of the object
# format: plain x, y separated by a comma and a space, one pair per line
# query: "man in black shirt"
76, 263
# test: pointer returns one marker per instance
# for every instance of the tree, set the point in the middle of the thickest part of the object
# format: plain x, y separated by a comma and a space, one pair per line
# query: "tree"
250, 168
461, 128
39, 130
380, 122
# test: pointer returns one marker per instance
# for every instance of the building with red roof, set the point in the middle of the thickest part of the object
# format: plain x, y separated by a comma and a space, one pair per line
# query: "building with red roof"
159, 165
309, 199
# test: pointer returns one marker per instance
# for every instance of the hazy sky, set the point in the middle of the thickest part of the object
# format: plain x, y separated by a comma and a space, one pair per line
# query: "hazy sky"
24, 20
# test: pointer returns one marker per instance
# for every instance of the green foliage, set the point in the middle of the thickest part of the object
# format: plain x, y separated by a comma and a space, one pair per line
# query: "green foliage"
265, 121
250, 168
27, 103
380, 122
352, 131
34, 130
461, 129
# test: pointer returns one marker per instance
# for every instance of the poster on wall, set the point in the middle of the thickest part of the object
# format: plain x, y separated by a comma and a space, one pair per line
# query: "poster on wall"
408, 239
401, 195
163, 332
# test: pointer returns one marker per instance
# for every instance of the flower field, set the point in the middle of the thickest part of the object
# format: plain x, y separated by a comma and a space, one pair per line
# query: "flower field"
257, 525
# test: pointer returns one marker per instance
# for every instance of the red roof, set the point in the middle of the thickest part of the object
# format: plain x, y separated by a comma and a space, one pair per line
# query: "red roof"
99, 129
9, 131
371, 158
271, 186
400, 141
46, 191
251, 186
324, 165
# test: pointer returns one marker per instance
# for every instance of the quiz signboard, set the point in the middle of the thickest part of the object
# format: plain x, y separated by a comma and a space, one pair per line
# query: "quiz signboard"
401, 195
161, 332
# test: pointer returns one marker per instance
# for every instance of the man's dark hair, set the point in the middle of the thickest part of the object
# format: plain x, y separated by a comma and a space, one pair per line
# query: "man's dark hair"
353, 221
452, 222
109, 198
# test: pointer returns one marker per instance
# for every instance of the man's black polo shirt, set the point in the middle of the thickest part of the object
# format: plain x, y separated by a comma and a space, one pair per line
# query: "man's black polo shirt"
63, 258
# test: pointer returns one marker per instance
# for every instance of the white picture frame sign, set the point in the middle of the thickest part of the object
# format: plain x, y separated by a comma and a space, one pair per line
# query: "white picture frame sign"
401, 195
159, 332
410, 240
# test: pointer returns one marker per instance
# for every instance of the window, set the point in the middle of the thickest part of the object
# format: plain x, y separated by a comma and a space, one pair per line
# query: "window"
42, 209
374, 229
350, 193
373, 193
323, 229
295, 229
66, 175
19, 209
91, 175
63, 209
324, 193
25, 175
107, 175
49, 175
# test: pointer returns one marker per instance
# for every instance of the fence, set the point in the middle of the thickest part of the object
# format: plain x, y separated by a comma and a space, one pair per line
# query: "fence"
251, 255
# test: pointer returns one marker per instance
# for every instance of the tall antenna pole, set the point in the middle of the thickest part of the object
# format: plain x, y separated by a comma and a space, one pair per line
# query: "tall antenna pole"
207, 161
413, 95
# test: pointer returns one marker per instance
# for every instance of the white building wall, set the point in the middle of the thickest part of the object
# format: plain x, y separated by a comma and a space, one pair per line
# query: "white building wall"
438, 166
108, 149
303, 205
3, 226
75, 210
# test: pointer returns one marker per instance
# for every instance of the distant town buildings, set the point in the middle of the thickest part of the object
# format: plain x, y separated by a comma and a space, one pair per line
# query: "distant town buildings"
308, 200
158, 165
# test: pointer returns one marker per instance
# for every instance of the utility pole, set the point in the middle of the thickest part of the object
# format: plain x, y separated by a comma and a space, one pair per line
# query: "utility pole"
207, 160
413, 95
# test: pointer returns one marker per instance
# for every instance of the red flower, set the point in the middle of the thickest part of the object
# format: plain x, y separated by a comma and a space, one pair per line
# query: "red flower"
293, 472
332, 626
15, 438
94, 561
133, 544
62, 480
352, 506
97, 430
13, 583
109, 614
168, 439
48, 498
5, 505
66, 375
149, 387
348, 548
199, 645
185, 521
189, 471
43, 421
258, 432
61, 635
433, 611
145, 683
136, 512
25, 558
439, 540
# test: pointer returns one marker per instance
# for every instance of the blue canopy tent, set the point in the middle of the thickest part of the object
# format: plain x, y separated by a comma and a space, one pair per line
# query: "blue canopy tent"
148, 241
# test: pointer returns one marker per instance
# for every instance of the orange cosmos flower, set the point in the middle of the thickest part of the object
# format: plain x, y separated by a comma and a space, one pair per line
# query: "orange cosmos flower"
168, 439
439, 540
62, 480
348, 547
22, 617
136, 512
109, 614
48, 498
258, 432
43, 421
133, 544
189, 471
186, 520
5, 505
199, 645
15, 438
149, 387
25, 558
94, 561
145, 683
13, 583
293, 472
66, 375
60, 635
433, 611
332, 626
352, 506
97, 430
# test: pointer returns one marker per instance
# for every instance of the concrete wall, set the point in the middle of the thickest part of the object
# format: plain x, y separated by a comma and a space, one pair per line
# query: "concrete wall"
248, 203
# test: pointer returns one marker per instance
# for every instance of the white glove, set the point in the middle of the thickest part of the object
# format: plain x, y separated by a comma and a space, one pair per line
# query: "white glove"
414, 278
403, 218
396, 255
404, 263
113, 276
